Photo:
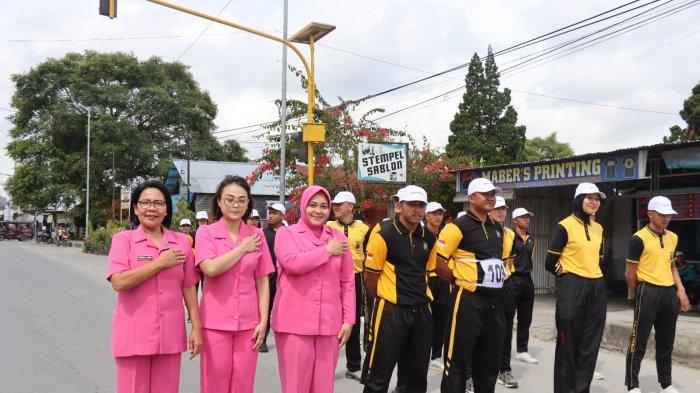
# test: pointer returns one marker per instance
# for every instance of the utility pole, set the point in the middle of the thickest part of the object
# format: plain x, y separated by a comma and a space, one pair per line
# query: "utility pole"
283, 113
114, 179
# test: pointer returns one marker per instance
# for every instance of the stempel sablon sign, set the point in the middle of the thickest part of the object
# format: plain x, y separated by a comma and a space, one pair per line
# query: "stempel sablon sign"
382, 162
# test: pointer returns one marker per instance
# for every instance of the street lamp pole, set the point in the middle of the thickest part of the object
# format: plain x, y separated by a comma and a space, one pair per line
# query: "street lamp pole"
87, 176
313, 132
87, 186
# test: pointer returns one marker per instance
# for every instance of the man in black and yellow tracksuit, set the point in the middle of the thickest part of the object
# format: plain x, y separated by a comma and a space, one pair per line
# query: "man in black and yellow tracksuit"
396, 268
659, 293
574, 255
355, 230
469, 254
519, 291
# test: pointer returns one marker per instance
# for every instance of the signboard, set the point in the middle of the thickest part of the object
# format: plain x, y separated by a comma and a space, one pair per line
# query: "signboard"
606, 167
687, 206
382, 162
125, 197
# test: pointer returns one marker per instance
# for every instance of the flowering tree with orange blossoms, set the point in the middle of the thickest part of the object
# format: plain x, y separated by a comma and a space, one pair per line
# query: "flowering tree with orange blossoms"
335, 165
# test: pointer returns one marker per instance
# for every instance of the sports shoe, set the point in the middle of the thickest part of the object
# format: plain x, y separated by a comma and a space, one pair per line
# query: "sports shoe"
352, 375
506, 379
635, 390
597, 375
470, 386
669, 389
436, 364
525, 357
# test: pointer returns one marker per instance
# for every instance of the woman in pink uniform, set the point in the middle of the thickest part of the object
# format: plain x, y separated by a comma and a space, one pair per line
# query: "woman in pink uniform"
152, 270
314, 308
236, 261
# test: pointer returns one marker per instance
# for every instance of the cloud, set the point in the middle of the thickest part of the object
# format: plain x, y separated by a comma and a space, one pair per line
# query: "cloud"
243, 72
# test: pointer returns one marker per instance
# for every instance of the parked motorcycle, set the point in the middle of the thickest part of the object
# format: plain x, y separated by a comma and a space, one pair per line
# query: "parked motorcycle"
44, 237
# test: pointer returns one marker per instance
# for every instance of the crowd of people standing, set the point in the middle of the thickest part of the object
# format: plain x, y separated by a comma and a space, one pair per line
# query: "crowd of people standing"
431, 293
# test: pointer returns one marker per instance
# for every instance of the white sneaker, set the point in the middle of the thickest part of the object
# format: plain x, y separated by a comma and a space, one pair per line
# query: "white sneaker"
635, 390
525, 357
352, 375
669, 389
436, 364
599, 376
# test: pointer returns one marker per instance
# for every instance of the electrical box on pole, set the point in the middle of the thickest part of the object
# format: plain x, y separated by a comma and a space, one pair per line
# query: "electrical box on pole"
314, 132
300, 149
108, 8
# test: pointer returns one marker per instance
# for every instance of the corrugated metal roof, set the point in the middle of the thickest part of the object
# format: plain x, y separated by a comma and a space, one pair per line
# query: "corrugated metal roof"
656, 147
206, 175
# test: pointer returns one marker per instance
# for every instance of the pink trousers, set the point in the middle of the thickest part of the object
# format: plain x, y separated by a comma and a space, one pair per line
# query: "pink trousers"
228, 362
307, 363
148, 374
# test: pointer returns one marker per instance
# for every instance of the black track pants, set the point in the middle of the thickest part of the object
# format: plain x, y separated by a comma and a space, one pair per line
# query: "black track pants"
353, 349
441, 297
580, 318
658, 307
398, 334
273, 291
518, 295
473, 342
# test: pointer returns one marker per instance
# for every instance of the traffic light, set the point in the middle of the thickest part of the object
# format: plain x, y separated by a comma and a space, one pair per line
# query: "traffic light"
300, 149
108, 8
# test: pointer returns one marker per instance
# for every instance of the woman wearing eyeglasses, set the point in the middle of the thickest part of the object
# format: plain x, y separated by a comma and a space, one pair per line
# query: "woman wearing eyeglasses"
236, 262
314, 307
152, 270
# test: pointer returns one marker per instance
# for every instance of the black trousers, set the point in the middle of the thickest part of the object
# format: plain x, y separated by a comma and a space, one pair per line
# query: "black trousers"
441, 297
580, 319
658, 307
398, 334
363, 307
273, 291
473, 343
518, 295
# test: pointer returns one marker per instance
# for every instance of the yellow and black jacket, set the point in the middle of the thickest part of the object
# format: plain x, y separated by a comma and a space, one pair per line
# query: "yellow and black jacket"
401, 258
355, 232
654, 255
577, 247
466, 242
523, 252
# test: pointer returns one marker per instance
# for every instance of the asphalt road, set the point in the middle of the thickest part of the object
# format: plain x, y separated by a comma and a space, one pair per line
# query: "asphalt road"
57, 307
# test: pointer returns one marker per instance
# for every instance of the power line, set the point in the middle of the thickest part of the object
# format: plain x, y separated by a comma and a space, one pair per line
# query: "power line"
463, 86
202, 33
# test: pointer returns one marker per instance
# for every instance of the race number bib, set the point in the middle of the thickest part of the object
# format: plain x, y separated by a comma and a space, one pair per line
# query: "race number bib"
494, 273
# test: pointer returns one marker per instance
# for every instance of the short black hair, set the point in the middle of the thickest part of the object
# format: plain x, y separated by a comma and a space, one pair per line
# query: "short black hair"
231, 179
136, 194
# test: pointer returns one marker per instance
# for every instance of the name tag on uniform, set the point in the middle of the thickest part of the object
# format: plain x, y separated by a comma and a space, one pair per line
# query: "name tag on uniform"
144, 258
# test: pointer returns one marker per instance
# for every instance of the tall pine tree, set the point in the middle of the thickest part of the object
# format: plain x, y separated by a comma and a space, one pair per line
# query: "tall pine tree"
484, 128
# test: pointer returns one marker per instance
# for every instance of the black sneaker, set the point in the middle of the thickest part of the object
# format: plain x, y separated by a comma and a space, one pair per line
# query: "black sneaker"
263, 348
506, 379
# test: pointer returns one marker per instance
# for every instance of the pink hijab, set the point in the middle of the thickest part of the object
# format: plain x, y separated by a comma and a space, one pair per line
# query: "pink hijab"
306, 196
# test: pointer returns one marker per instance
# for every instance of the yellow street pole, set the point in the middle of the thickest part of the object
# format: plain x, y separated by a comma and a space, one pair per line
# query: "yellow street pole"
311, 96
309, 113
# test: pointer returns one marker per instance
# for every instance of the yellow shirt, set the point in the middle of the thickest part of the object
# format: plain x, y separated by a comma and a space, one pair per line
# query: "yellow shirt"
355, 232
583, 250
653, 255
508, 238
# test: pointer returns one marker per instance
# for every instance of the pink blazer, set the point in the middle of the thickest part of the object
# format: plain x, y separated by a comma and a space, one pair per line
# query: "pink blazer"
315, 292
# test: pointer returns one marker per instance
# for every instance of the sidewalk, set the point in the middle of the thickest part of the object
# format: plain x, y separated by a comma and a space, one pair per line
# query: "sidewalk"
618, 326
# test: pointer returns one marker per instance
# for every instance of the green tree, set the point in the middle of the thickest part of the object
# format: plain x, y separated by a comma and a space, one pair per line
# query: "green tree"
183, 211
546, 148
143, 112
484, 127
691, 114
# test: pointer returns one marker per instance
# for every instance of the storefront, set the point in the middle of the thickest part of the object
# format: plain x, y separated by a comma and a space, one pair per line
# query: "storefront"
628, 176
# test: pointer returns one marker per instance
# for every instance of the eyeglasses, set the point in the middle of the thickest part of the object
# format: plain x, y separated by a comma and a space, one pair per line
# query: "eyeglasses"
145, 204
230, 202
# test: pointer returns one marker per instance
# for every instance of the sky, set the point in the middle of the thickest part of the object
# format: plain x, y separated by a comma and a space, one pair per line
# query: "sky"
623, 92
